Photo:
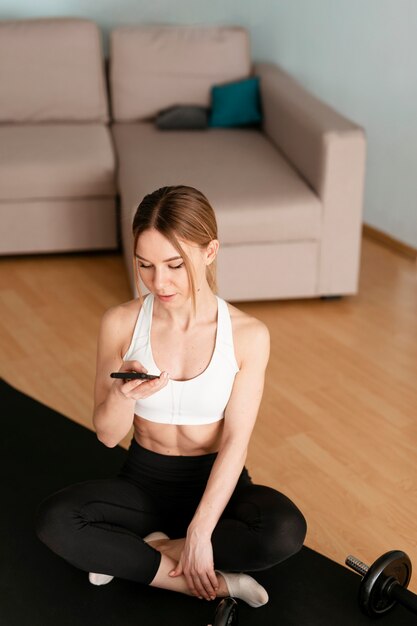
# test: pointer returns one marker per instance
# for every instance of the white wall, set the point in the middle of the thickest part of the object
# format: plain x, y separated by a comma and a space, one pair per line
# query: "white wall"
358, 55
361, 57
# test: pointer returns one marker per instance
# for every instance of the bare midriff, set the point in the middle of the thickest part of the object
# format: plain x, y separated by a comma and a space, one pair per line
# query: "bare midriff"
176, 440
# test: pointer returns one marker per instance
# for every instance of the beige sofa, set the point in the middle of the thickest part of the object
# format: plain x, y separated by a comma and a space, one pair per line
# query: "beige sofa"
288, 197
57, 164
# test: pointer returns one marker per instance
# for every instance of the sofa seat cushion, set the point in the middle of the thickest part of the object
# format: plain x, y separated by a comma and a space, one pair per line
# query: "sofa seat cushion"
56, 161
256, 194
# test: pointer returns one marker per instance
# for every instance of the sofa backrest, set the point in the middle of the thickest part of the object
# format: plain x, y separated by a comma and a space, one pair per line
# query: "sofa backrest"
154, 67
51, 70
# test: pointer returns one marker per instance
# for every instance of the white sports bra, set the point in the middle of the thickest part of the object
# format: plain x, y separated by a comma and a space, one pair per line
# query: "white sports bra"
199, 400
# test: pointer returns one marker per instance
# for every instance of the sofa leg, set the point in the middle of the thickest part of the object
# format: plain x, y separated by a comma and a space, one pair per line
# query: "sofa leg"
330, 298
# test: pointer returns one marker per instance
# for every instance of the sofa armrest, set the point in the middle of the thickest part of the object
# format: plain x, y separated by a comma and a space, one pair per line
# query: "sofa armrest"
329, 153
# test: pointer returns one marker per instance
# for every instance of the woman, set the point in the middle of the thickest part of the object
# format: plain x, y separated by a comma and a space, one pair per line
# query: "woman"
184, 473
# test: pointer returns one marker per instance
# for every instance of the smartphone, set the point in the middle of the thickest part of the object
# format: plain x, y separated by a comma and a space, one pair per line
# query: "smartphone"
133, 375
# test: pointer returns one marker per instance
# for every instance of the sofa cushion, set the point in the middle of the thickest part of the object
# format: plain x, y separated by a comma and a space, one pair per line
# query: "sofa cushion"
53, 70
155, 67
58, 225
257, 196
55, 161
236, 104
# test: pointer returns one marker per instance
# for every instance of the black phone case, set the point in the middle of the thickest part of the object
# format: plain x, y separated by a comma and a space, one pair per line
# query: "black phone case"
133, 375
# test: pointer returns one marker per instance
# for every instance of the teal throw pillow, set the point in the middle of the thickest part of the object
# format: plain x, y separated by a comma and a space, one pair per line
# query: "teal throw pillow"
236, 104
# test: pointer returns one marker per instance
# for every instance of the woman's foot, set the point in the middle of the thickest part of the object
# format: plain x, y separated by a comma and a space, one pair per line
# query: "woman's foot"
171, 547
245, 588
156, 536
239, 586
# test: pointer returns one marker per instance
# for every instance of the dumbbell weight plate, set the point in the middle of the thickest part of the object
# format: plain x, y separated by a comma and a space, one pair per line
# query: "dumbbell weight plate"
394, 565
226, 613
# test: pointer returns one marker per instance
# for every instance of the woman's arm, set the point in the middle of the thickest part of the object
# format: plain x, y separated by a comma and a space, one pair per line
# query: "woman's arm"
240, 417
114, 400
196, 561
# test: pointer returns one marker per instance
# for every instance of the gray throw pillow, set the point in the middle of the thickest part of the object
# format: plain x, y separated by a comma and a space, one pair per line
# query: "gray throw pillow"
183, 117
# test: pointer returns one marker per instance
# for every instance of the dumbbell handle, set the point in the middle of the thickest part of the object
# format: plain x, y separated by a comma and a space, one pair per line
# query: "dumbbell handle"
394, 590
357, 565
402, 596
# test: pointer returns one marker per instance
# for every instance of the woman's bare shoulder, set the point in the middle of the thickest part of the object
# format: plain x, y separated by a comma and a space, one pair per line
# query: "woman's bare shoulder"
247, 332
242, 321
123, 313
117, 325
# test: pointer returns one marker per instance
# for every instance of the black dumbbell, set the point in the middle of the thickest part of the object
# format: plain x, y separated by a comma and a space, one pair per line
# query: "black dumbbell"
384, 583
226, 613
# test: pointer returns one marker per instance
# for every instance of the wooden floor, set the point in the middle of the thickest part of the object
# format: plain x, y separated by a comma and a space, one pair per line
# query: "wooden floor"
337, 428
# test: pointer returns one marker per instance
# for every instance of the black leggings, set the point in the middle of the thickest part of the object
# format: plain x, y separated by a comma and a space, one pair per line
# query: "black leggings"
98, 525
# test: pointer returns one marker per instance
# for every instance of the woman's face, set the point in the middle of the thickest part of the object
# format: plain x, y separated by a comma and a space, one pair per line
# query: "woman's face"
162, 269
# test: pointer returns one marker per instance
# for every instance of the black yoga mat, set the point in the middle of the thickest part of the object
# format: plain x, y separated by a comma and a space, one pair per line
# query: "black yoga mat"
42, 451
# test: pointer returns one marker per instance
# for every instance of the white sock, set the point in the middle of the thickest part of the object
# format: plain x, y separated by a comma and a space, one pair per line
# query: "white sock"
99, 579
245, 588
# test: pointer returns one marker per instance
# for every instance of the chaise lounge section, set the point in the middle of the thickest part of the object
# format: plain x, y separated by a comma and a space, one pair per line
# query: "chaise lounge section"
288, 195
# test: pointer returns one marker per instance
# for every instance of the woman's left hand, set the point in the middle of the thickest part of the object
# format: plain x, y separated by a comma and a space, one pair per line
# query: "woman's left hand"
197, 565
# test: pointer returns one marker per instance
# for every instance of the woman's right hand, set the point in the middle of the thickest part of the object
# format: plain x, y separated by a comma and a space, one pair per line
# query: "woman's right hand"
138, 389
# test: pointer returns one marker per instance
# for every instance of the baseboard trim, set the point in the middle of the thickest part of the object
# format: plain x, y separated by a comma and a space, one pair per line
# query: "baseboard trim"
389, 242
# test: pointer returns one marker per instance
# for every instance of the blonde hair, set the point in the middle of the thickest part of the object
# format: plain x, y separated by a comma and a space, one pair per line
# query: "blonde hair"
178, 212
